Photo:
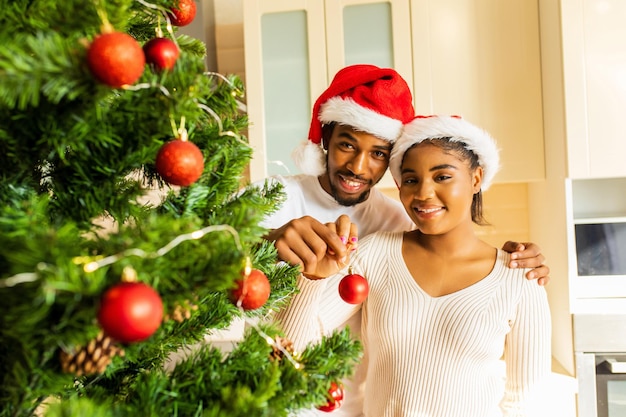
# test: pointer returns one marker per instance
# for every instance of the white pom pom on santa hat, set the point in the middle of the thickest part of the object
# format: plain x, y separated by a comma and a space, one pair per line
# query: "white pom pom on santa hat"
310, 158
370, 99
455, 129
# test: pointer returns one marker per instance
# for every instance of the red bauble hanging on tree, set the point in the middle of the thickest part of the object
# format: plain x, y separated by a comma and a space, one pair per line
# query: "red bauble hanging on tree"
180, 162
184, 13
335, 398
252, 291
161, 53
353, 288
116, 59
130, 311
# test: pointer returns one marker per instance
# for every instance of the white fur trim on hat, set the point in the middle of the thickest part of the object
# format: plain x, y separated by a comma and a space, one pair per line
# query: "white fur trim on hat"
422, 128
309, 157
346, 111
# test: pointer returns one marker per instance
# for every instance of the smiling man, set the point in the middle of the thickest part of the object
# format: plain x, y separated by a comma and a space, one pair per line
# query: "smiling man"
354, 124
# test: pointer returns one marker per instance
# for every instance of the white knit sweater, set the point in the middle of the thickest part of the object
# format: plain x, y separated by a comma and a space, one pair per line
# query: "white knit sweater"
434, 356
306, 197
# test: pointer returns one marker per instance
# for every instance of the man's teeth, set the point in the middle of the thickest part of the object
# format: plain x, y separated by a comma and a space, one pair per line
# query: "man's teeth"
352, 183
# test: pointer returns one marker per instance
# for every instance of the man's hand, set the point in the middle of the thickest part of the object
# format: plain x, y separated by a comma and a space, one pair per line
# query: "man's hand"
319, 249
528, 255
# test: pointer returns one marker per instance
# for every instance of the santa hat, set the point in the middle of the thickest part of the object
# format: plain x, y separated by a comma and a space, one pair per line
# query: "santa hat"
455, 129
370, 99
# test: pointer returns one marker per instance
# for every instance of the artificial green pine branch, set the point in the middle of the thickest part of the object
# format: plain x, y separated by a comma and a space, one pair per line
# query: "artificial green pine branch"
78, 158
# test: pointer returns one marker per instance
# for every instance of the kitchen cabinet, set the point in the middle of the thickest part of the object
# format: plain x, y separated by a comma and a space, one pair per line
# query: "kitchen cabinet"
584, 94
476, 58
594, 81
481, 59
594, 62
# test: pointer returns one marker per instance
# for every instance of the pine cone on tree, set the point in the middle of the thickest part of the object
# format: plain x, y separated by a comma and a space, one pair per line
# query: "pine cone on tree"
287, 346
91, 359
181, 312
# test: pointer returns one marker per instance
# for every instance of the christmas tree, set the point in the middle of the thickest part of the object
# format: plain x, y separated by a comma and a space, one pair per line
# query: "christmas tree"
128, 228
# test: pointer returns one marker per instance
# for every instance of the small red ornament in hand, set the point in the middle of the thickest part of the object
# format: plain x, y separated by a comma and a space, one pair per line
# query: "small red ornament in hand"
353, 288
180, 162
184, 13
251, 291
335, 398
116, 59
162, 53
130, 312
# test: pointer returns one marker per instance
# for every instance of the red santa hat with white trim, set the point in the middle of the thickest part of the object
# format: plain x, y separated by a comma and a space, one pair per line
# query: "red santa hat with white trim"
370, 99
455, 129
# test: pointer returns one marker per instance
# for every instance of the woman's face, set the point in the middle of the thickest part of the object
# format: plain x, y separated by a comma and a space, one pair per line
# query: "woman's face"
437, 187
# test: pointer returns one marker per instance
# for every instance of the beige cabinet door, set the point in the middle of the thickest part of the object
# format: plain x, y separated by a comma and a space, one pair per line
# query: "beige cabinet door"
285, 58
480, 59
594, 66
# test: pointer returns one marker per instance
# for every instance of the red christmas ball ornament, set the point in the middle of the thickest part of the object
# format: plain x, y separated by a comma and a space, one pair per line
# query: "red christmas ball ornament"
162, 53
251, 291
116, 59
130, 311
335, 398
184, 13
180, 162
353, 288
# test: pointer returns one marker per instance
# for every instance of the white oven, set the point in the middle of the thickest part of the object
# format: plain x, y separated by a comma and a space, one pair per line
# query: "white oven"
597, 278
600, 345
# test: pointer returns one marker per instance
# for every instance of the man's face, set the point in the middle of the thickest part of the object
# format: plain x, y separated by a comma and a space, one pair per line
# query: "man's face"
355, 162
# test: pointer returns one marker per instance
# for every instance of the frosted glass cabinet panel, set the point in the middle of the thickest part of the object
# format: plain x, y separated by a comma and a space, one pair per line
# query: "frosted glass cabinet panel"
284, 69
369, 32
368, 36
285, 85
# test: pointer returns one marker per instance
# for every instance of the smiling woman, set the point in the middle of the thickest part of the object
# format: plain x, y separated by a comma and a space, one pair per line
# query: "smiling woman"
443, 306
